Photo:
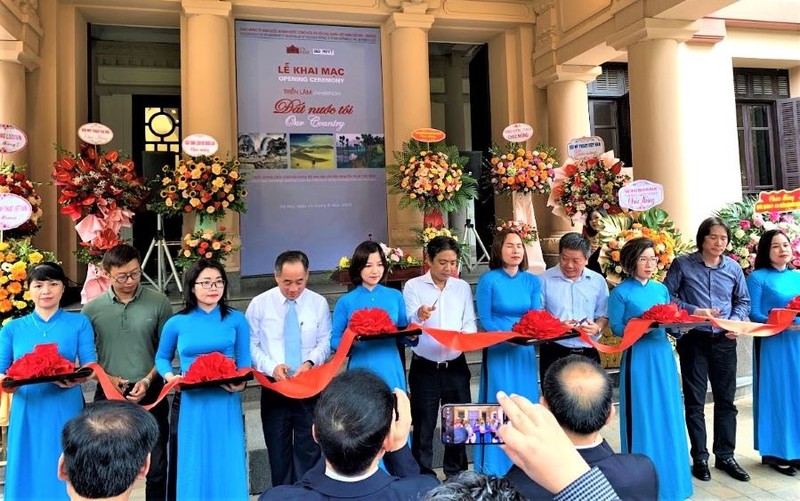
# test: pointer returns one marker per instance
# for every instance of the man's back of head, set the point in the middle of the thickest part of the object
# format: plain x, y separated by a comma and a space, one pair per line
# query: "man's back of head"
106, 448
578, 393
352, 420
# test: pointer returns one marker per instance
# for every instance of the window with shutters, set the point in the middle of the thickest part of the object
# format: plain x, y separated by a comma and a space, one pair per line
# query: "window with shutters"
757, 121
789, 134
609, 110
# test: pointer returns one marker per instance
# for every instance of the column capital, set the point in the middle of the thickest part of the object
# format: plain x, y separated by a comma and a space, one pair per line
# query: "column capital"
206, 7
566, 72
414, 6
409, 20
15, 52
650, 28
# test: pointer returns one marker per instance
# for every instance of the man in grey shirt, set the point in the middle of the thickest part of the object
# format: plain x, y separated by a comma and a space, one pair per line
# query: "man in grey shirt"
707, 283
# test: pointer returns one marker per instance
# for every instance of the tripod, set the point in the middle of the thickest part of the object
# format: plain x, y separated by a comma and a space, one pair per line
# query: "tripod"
469, 229
159, 243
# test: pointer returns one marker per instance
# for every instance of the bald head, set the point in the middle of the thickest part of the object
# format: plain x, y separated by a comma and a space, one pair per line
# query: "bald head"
578, 392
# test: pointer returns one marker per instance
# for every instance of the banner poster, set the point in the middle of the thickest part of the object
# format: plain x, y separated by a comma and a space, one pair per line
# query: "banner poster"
311, 141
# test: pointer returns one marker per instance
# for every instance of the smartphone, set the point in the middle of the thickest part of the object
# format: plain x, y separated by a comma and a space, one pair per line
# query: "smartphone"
472, 424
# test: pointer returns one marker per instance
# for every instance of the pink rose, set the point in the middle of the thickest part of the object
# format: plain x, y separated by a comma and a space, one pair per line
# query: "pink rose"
745, 225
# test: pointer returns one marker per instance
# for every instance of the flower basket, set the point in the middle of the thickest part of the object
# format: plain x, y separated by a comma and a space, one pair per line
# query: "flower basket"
653, 224
207, 186
431, 177
94, 182
13, 180
517, 170
747, 226
592, 182
204, 244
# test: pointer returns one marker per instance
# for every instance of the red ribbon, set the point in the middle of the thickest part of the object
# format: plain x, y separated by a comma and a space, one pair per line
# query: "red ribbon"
313, 381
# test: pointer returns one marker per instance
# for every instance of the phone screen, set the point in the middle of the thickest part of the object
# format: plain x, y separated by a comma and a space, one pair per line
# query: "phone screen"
472, 424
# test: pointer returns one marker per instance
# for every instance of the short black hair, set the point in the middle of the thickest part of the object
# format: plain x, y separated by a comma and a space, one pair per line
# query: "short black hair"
120, 255
470, 485
496, 259
291, 256
441, 244
46, 271
629, 255
705, 229
764, 245
190, 278
574, 241
360, 258
352, 419
578, 392
106, 446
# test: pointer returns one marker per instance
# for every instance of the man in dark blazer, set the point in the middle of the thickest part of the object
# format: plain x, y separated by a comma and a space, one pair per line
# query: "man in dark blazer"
578, 393
357, 422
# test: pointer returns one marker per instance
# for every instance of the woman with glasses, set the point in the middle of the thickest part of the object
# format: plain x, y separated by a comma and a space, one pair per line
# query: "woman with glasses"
211, 447
652, 420
40, 410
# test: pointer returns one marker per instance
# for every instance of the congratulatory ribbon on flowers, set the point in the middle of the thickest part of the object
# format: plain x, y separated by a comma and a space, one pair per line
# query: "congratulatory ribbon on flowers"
313, 381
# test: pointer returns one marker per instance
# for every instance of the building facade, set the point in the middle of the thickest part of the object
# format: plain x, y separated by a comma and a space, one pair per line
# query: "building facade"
706, 98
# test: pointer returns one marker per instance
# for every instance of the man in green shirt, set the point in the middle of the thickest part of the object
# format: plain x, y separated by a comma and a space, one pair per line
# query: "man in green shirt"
127, 321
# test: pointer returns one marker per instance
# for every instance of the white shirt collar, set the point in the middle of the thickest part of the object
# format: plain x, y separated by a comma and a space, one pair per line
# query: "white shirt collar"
597, 442
341, 478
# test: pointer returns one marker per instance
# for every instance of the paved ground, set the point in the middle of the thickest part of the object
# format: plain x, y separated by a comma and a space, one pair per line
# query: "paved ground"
765, 483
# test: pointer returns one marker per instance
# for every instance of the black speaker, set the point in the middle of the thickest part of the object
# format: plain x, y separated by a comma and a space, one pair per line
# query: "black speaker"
474, 164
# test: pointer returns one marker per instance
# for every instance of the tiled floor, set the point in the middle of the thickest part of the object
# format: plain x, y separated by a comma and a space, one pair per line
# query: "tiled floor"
765, 483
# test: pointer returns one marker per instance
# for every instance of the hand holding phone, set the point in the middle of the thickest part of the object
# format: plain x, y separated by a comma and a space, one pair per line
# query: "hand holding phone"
472, 424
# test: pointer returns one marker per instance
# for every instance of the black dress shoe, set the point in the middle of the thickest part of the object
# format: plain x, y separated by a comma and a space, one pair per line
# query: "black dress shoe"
700, 470
732, 468
786, 469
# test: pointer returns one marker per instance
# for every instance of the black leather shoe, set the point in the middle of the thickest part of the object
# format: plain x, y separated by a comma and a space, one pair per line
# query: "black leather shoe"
700, 470
787, 470
732, 468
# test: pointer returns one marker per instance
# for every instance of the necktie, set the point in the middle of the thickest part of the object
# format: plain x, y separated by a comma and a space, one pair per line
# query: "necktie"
292, 342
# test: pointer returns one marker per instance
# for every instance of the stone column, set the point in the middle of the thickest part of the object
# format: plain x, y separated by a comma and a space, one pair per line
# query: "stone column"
14, 60
568, 118
411, 101
657, 114
206, 88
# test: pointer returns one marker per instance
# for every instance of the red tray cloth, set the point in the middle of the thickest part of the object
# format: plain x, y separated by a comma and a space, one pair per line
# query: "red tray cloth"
213, 369
539, 326
43, 365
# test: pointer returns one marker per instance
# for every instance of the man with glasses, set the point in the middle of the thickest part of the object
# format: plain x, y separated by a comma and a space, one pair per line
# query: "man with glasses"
127, 322
290, 332
577, 296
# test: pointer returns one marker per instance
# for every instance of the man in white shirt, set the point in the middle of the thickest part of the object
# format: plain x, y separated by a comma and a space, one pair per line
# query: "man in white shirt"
438, 375
290, 331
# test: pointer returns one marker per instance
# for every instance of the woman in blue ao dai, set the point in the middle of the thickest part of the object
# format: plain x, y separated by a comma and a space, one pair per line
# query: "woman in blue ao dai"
776, 359
40, 411
381, 356
652, 420
504, 294
211, 447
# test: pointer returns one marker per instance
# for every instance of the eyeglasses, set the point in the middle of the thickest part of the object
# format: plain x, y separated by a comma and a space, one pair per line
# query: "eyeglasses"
121, 279
653, 260
218, 284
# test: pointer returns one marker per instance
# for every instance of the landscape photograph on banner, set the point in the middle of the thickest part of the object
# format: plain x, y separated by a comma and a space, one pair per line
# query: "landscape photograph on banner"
311, 151
259, 150
360, 151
